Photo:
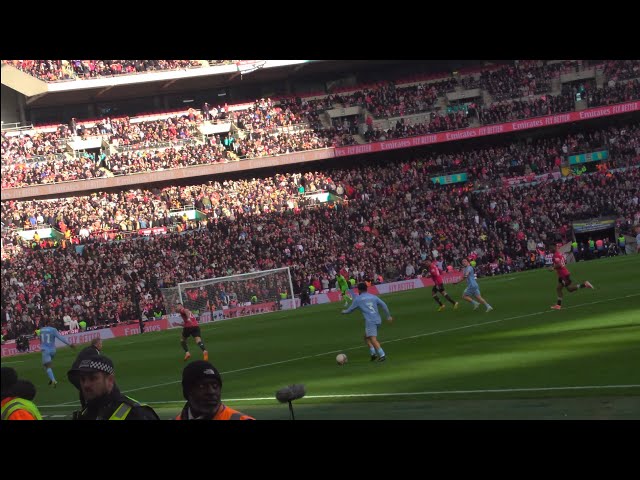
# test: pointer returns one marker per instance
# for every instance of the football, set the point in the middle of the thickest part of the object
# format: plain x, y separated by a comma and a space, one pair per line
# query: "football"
341, 359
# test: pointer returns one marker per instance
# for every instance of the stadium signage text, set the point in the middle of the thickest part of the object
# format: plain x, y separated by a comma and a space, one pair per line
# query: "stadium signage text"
313, 155
490, 129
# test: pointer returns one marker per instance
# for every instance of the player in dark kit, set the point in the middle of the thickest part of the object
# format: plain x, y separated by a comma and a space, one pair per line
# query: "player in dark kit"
564, 277
433, 271
190, 329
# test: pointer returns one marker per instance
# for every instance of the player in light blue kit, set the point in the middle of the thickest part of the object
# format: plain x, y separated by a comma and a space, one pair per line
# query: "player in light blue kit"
48, 337
369, 304
473, 289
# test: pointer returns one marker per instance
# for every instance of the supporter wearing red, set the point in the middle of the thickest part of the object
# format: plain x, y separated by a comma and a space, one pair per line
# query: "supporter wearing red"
564, 277
190, 329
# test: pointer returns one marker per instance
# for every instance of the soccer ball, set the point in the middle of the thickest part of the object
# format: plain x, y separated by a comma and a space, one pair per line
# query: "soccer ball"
341, 359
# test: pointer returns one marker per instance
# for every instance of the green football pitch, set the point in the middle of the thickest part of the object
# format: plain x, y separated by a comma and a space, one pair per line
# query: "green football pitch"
520, 361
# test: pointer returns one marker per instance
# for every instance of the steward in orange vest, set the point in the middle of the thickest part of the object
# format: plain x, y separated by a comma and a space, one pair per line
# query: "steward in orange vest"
201, 387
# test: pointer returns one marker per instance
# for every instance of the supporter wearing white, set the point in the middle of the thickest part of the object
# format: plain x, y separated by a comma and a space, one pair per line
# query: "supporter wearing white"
73, 324
67, 321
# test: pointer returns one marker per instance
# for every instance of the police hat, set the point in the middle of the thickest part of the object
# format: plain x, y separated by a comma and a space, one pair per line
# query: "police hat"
95, 363
196, 372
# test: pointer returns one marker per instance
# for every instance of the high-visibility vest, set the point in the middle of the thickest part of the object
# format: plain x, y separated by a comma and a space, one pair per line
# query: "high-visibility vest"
574, 245
621, 240
20, 404
225, 413
591, 244
125, 408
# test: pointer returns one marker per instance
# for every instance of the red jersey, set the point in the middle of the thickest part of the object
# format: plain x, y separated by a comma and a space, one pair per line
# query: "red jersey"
559, 265
434, 273
189, 319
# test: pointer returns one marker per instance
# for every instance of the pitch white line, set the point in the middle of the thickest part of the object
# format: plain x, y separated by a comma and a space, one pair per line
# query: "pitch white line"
386, 341
405, 394
10, 363
408, 394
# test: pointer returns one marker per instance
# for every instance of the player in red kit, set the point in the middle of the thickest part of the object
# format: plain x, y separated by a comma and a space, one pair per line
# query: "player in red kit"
190, 329
564, 277
438, 287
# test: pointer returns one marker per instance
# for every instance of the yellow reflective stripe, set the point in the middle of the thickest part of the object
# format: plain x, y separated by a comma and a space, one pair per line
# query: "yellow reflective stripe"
20, 404
122, 412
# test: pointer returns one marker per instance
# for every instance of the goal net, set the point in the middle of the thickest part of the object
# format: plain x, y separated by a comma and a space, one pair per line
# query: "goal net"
234, 296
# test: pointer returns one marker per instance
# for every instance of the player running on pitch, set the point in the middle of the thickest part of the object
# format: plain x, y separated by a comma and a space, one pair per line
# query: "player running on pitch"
473, 289
368, 305
342, 284
564, 277
190, 329
433, 271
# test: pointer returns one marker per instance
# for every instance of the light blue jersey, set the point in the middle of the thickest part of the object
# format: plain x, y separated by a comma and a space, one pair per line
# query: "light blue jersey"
48, 337
470, 275
369, 304
472, 285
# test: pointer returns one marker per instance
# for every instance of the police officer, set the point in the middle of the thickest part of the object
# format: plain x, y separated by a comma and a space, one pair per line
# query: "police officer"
93, 350
103, 398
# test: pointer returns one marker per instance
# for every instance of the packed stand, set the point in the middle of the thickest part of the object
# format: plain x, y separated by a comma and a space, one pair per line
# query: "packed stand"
388, 100
544, 212
622, 69
501, 112
620, 92
274, 130
516, 81
392, 218
54, 70
149, 133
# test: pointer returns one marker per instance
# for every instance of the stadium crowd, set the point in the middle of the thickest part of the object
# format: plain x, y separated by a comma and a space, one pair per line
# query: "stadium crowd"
387, 220
268, 127
55, 70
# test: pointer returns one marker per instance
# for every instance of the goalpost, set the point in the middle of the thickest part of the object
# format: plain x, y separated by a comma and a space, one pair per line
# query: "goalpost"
235, 295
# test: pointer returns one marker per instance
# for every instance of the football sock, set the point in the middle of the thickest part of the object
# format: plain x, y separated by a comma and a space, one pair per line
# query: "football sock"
453, 302
50, 374
201, 345
184, 346
437, 300
380, 352
372, 350
474, 303
559, 301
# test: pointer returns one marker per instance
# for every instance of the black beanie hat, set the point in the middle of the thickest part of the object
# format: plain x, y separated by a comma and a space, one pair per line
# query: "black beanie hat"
195, 372
9, 379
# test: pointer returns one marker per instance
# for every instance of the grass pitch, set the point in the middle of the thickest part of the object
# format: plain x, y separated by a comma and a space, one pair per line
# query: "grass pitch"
521, 361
